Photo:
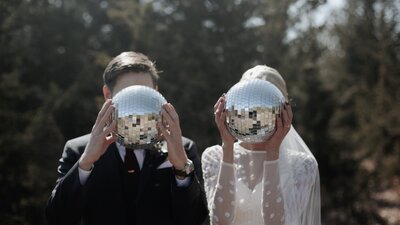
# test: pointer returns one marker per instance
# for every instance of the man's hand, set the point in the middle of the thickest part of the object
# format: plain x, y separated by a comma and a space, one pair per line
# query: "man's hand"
101, 137
171, 131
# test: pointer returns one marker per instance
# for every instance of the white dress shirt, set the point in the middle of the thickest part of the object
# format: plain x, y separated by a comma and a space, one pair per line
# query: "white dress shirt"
140, 154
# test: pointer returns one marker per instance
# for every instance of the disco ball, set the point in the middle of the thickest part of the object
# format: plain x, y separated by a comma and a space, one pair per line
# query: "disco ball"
137, 111
252, 108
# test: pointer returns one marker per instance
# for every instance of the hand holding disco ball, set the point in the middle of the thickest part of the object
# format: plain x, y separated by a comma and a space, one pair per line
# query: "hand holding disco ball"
137, 111
252, 109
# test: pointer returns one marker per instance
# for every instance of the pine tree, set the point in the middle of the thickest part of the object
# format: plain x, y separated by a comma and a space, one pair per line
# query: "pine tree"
364, 75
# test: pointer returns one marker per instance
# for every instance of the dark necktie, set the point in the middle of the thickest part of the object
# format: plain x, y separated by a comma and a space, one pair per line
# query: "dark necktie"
132, 184
131, 163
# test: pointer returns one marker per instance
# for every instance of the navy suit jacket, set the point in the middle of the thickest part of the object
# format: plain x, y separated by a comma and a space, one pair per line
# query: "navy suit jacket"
101, 199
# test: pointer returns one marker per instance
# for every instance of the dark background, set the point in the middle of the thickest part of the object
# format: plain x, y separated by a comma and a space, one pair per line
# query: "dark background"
343, 75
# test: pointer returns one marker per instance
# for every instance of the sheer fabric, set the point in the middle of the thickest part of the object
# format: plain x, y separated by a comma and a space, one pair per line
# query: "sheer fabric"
255, 191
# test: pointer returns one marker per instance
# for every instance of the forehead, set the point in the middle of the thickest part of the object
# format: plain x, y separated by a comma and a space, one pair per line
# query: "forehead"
133, 78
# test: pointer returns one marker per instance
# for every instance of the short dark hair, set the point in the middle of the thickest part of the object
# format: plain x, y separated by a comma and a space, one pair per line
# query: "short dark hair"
128, 62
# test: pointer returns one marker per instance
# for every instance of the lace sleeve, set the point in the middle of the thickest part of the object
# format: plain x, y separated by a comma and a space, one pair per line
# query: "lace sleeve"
273, 207
219, 185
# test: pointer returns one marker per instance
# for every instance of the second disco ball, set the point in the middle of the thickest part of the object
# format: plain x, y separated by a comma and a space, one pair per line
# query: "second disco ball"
137, 111
252, 108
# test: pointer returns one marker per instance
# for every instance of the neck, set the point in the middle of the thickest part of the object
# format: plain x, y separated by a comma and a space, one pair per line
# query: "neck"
253, 146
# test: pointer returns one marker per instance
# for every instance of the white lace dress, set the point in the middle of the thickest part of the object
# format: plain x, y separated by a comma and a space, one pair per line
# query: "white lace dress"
255, 191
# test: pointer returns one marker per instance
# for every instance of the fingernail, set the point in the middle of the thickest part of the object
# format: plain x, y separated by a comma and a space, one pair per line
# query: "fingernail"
223, 94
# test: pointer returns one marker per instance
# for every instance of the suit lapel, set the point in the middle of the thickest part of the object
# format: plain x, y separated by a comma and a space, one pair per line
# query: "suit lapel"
108, 171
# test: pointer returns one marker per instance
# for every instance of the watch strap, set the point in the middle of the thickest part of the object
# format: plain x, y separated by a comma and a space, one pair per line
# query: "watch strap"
186, 171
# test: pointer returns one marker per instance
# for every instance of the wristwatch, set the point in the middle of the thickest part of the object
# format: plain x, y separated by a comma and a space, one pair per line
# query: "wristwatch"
188, 168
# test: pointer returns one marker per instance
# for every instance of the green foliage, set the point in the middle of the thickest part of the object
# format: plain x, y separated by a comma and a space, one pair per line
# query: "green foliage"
53, 54
364, 81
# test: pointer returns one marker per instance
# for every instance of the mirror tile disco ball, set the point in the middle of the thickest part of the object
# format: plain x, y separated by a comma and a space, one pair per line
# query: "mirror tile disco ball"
252, 109
137, 111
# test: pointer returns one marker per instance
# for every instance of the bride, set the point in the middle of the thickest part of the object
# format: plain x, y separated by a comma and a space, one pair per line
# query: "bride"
273, 182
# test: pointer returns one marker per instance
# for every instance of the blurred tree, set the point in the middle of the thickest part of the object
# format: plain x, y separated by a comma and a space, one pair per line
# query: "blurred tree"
48, 86
363, 75
196, 45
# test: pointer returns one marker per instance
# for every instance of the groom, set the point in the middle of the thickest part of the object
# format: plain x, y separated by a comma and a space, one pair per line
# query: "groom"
96, 183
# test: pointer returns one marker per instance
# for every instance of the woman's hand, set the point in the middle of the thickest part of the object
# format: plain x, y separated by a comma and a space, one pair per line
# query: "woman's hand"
220, 119
227, 138
283, 124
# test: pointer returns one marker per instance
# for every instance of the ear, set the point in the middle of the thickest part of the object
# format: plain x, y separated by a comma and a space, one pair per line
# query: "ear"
106, 92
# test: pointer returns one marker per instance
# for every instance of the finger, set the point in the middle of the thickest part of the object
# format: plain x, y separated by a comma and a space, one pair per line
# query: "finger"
217, 113
279, 123
167, 119
163, 130
216, 118
278, 128
221, 109
220, 105
169, 108
159, 131
111, 139
285, 117
102, 122
223, 97
103, 109
223, 122
106, 116
217, 103
290, 117
290, 112
224, 115
222, 125
110, 129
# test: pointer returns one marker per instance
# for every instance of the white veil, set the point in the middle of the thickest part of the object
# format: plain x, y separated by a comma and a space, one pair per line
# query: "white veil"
299, 181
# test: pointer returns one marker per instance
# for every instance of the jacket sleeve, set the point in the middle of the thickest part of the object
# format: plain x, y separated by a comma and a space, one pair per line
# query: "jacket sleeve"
189, 203
67, 198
